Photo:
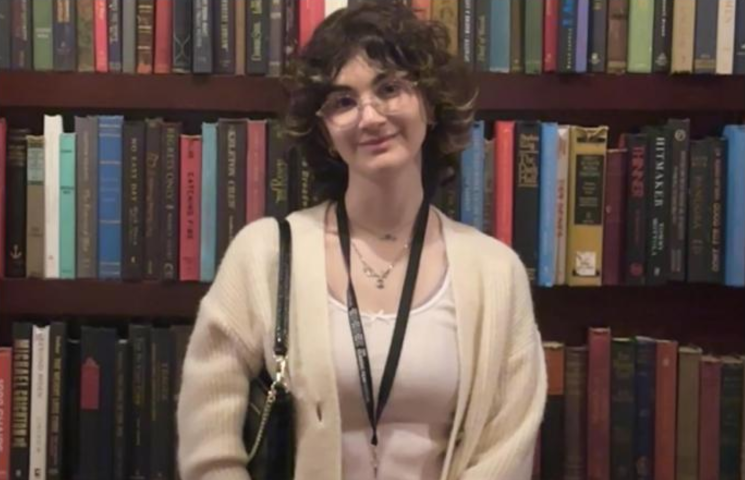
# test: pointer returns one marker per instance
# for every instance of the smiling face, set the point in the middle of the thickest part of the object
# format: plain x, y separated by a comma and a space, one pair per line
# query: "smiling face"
372, 143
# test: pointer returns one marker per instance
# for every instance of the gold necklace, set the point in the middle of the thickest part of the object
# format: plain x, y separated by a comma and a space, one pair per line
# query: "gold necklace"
371, 273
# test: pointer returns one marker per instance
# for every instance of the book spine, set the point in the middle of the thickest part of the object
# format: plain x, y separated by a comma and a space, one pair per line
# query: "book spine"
35, 207
687, 424
231, 177
141, 433
488, 190
208, 221
121, 411
731, 408
583, 18
86, 182
110, 197
64, 36
623, 406
598, 404
181, 335
85, 36
499, 32
56, 416
446, 11
562, 204
658, 206
567, 36
517, 26
504, 187
533, 39
739, 54
52, 132
129, 37
163, 40
465, 31
169, 215
472, 179
21, 41
684, 29
662, 36
6, 25
225, 41
547, 199
598, 36
115, 35
678, 136
481, 34
575, 414
641, 30
552, 429
526, 184
700, 198
15, 226
161, 408
290, 34
276, 28
718, 210
256, 171
203, 28
618, 35
101, 36
705, 40
190, 191
709, 409
257, 41
43, 41
182, 48
550, 35
67, 206
153, 199
145, 35
725, 37
588, 147
665, 409
6, 398
39, 401
21, 403
646, 354
133, 200
734, 223
239, 22
636, 217
615, 217
3, 192
277, 201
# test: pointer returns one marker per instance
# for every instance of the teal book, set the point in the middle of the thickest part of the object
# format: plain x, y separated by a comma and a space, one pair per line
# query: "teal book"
67, 206
43, 49
208, 227
641, 30
499, 36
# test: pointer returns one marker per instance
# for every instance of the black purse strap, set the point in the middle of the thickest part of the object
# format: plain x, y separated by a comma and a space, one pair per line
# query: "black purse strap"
283, 290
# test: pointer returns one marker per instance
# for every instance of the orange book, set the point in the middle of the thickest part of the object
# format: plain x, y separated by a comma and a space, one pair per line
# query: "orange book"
6, 380
504, 132
312, 13
256, 170
163, 36
666, 388
101, 37
190, 206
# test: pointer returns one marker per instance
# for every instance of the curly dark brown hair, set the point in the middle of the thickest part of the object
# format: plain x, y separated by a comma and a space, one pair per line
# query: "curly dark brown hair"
389, 34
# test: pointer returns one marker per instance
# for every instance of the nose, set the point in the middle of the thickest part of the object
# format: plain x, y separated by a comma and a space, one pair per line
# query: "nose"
370, 116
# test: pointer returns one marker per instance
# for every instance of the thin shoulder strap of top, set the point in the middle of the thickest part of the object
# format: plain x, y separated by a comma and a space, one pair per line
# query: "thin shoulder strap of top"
283, 290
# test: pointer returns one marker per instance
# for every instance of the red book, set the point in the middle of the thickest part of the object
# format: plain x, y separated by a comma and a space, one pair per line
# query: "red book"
3, 160
90, 385
101, 40
311, 13
666, 378
163, 36
6, 380
708, 429
598, 404
550, 35
422, 9
256, 171
504, 162
614, 229
190, 201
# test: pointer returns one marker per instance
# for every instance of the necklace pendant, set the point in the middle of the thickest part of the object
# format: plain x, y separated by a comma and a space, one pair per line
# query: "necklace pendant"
389, 237
380, 283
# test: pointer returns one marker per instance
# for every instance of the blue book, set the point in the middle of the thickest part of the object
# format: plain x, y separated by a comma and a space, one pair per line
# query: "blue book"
499, 36
114, 11
110, 196
734, 224
67, 206
208, 227
472, 179
583, 18
547, 208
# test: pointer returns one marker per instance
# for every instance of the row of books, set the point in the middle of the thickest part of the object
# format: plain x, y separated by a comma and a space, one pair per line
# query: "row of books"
641, 408
138, 199
259, 37
90, 404
659, 207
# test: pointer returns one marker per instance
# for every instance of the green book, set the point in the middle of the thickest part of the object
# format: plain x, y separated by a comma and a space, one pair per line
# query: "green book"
641, 30
67, 206
43, 39
533, 36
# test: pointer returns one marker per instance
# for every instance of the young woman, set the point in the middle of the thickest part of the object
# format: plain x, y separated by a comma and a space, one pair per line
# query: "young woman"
381, 111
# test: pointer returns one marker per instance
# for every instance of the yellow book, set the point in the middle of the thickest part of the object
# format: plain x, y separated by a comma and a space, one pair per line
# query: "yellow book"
587, 153
446, 11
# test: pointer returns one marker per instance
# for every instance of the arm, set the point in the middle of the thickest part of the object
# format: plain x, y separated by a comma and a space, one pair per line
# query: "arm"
505, 449
225, 351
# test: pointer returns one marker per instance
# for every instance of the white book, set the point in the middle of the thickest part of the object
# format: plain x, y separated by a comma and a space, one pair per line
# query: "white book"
726, 37
684, 33
562, 202
39, 403
333, 5
52, 131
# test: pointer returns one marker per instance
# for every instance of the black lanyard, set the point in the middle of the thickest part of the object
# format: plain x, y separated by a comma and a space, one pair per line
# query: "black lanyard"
402, 318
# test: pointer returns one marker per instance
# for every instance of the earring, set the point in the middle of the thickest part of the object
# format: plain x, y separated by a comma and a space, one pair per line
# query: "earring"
332, 152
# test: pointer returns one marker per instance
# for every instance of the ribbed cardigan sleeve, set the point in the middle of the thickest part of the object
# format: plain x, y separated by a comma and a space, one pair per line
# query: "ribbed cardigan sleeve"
505, 448
225, 350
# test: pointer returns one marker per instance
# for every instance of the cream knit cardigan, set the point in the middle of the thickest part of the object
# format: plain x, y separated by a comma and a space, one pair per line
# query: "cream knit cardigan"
502, 378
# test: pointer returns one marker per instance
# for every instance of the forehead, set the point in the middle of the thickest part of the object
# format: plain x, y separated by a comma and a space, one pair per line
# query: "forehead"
359, 73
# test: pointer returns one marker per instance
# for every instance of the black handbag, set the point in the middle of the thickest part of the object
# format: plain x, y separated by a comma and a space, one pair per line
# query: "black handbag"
268, 432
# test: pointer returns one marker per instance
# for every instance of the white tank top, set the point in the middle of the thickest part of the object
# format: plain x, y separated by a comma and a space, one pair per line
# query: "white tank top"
414, 429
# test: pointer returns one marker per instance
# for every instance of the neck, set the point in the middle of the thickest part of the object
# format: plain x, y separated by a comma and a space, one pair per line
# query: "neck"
384, 205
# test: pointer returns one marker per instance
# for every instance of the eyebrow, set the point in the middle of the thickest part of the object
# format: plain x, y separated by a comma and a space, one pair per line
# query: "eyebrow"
346, 88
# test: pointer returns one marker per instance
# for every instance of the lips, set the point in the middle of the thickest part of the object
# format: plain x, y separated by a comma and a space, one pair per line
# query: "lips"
377, 141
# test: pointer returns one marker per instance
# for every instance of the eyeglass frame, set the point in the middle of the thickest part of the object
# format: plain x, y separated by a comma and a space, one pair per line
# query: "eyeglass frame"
412, 84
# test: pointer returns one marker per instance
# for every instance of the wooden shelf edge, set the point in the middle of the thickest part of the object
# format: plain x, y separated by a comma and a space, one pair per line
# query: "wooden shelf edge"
245, 94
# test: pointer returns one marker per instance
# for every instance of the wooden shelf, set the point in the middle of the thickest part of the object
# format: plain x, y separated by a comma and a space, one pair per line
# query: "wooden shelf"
708, 315
666, 94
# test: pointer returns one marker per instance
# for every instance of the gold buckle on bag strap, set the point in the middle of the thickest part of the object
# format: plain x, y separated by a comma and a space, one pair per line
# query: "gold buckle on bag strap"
280, 379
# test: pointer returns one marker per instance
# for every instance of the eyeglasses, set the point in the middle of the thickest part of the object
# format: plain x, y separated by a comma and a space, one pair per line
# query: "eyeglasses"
390, 96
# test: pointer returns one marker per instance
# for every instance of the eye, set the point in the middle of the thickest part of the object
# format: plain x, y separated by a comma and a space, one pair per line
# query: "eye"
390, 88
340, 103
